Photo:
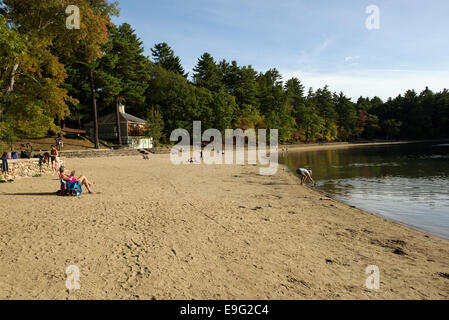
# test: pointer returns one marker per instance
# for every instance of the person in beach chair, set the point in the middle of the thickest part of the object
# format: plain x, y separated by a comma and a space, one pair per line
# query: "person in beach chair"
73, 185
68, 189
305, 174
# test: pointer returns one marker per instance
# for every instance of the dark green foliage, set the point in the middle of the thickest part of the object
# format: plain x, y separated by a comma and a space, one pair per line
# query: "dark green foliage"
207, 73
155, 127
164, 56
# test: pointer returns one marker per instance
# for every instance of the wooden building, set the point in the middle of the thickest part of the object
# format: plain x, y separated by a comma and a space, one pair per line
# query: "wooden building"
131, 128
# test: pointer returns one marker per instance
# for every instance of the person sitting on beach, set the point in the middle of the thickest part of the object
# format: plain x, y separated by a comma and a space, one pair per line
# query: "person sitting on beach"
46, 158
71, 180
193, 161
305, 174
145, 155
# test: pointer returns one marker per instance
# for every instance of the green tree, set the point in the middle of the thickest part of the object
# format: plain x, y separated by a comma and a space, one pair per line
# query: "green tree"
164, 56
346, 116
180, 102
155, 126
98, 17
294, 92
223, 106
250, 118
271, 97
123, 71
323, 100
287, 124
310, 124
372, 127
440, 115
207, 73
392, 128
240, 82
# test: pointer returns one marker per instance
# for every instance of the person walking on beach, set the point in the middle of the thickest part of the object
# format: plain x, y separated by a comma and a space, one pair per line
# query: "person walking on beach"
59, 141
305, 174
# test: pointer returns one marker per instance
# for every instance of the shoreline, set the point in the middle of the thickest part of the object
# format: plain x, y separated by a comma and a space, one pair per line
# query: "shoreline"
331, 196
337, 146
347, 145
205, 232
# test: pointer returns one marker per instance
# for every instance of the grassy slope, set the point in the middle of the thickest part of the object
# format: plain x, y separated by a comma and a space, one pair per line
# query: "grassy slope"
70, 142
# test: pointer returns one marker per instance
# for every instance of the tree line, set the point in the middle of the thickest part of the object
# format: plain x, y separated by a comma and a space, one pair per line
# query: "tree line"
50, 75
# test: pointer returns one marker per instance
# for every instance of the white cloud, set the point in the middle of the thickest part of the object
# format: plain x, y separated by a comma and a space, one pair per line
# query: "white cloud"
351, 58
370, 83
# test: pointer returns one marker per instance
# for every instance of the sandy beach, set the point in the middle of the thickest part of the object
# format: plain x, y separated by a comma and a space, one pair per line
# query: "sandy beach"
159, 231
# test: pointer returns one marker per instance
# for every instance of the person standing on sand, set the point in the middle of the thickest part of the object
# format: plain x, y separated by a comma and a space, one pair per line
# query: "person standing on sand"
54, 155
59, 141
305, 174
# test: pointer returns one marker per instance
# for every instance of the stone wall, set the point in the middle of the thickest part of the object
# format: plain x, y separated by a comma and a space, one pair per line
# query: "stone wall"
22, 168
125, 152
99, 153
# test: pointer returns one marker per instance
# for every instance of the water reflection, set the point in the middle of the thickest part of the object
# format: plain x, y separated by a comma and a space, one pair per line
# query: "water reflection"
408, 183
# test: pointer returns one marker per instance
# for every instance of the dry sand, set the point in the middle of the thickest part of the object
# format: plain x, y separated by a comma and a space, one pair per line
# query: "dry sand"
157, 231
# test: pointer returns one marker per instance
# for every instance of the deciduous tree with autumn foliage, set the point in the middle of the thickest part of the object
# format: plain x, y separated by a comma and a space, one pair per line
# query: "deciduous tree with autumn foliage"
35, 36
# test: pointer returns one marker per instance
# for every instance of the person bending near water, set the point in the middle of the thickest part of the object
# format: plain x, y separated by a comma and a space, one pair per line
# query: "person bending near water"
305, 174
70, 179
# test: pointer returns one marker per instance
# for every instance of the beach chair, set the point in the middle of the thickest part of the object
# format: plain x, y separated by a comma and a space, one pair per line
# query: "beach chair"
70, 189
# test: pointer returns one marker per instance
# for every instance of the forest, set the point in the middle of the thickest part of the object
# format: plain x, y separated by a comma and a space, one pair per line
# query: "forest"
51, 77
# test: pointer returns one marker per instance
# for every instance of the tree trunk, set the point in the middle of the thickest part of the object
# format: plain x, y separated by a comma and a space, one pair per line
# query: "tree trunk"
117, 121
94, 108
13, 78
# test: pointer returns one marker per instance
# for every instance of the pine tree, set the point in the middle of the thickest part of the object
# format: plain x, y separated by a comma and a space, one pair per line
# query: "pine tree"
271, 96
294, 91
346, 116
164, 56
323, 99
207, 73
124, 71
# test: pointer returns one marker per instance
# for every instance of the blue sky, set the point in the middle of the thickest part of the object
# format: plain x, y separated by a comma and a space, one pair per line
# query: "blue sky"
320, 41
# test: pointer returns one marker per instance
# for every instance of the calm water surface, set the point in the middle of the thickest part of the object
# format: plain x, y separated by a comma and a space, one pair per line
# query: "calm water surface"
406, 183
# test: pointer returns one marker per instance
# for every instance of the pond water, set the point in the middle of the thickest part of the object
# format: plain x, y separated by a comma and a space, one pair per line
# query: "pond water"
405, 183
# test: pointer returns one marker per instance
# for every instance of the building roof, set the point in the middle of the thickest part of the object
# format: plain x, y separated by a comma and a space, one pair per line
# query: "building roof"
124, 118
132, 119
